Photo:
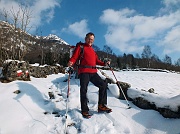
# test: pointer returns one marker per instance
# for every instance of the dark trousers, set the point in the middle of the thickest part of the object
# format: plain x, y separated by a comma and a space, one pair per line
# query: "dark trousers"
97, 81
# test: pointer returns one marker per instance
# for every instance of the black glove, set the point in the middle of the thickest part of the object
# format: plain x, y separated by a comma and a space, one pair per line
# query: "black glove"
107, 62
70, 70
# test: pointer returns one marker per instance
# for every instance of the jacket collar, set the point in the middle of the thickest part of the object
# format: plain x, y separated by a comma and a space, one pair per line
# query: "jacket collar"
87, 45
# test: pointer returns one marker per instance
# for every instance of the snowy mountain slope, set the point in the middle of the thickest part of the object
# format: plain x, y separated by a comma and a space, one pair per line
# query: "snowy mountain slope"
32, 112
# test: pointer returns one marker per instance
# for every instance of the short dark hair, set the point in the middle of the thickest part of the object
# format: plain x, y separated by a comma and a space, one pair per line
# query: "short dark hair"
89, 34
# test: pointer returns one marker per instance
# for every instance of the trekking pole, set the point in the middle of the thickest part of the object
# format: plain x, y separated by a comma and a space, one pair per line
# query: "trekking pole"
69, 71
119, 86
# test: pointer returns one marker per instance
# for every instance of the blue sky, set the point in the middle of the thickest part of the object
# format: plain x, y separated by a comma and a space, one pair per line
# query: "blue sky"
124, 25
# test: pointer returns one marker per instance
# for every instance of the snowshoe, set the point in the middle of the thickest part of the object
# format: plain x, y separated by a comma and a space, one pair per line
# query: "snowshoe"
103, 109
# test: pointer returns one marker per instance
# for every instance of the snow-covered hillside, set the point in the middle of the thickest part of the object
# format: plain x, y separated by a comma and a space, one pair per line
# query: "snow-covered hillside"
32, 112
53, 37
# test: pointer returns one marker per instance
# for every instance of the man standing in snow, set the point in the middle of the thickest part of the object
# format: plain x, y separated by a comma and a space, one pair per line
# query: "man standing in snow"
88, 73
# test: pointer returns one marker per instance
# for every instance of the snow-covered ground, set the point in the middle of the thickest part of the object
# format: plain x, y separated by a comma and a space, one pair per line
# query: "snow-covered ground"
32, 112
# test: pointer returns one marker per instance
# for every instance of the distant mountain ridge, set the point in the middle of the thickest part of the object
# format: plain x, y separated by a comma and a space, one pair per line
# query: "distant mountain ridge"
52, 37
6, 25
20, 45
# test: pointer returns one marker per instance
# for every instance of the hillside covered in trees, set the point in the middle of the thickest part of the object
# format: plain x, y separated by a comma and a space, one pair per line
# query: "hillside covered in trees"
16, 44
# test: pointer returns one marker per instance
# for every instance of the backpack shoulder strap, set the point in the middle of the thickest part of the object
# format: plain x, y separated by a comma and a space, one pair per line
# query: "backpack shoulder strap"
82, 49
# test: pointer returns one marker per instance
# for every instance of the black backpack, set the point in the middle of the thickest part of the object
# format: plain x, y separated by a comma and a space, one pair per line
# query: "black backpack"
78, 61
72, 49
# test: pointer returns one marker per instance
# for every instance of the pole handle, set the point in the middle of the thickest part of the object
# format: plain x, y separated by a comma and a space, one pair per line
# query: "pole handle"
70, 70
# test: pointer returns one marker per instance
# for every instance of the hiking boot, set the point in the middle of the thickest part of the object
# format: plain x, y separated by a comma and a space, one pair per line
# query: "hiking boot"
103, 108
86, 115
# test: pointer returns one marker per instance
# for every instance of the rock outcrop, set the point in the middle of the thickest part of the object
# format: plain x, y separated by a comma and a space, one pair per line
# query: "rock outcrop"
21, 70
140, 101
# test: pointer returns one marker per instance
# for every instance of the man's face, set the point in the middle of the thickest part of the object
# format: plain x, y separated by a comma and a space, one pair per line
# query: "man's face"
89, 40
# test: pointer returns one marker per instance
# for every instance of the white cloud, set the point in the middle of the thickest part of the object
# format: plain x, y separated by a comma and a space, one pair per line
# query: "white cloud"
170, 3
129, 31
42, 11
78, 28
113, 17
170, 6
171, 41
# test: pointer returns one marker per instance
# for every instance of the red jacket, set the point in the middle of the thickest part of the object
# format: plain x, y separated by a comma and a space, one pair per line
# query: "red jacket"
89, 59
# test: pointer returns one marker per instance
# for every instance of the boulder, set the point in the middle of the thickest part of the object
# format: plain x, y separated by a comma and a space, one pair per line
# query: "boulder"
15, 70
43, 71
